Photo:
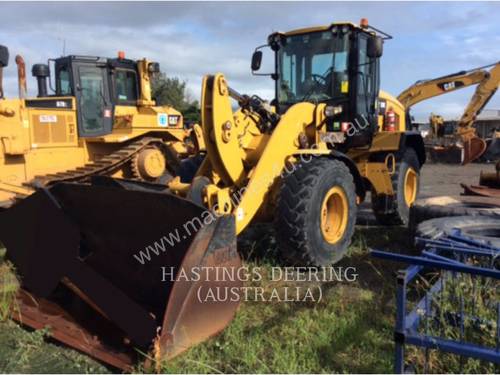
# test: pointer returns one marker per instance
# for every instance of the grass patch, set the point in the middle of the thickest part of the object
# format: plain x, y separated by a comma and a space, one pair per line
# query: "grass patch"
26, 351
350, 330
8, 289
470, 302
336, 335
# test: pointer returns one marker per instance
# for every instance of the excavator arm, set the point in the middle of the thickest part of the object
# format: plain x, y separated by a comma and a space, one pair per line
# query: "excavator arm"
484, 92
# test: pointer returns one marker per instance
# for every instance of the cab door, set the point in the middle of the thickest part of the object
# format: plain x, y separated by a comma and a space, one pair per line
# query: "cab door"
95, 107
367, 87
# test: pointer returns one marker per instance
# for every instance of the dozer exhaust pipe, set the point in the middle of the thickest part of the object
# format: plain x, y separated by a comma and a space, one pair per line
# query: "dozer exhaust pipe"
21, 77
76, 248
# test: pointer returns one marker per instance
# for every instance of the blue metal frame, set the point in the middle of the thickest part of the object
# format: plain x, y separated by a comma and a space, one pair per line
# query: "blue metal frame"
446, 253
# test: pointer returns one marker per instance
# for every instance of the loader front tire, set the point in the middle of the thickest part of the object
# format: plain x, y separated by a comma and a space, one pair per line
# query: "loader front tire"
395, 210
316, 212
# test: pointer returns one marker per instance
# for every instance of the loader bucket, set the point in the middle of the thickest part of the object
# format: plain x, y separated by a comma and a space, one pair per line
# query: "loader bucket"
473, 149
110, 268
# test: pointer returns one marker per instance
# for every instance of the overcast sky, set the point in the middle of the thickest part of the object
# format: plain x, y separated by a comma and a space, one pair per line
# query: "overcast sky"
191, 39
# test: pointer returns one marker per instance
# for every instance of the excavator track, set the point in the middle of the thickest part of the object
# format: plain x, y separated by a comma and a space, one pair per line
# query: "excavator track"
103, 166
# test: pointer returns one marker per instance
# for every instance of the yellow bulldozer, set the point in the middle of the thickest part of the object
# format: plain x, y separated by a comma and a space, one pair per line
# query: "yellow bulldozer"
102, 251
100, 120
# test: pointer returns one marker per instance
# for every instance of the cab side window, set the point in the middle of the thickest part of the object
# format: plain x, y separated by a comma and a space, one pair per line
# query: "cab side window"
126, 86
367, 90
63, 84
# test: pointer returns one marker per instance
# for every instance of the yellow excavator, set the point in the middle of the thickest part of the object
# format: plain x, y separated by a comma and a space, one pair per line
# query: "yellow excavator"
104, 250
100, 120
487, 81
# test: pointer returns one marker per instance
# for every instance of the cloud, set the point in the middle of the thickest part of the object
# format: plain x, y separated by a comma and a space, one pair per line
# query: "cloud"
191, 39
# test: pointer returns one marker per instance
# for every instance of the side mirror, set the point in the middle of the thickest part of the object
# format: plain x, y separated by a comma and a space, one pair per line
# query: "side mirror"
375, 47
154, 67
256, 60
4, 56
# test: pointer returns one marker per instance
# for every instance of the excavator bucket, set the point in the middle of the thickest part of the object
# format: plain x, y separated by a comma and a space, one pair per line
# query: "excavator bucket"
473, 149
115, 268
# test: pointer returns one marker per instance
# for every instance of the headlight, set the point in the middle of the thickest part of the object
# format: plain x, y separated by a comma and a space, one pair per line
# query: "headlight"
331, 110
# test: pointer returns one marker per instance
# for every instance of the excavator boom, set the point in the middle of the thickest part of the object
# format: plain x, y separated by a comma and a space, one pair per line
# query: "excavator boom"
427, 89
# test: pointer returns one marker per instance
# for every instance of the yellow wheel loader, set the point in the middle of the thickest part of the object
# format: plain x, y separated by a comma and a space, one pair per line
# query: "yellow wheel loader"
102, 251
100, 120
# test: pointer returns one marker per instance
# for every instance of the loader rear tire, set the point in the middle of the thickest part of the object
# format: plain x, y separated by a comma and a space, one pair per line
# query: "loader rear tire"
483, 229
395, 210
316, 212
447, 206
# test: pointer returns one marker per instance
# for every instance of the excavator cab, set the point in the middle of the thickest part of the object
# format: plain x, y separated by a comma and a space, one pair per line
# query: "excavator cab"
338, 66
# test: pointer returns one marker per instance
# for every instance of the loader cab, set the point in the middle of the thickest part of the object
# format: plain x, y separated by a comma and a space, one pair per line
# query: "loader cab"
99, 85
337, 65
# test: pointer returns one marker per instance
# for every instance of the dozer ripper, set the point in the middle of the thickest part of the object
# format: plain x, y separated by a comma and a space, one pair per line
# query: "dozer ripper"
486, 81
305, 161
100, 120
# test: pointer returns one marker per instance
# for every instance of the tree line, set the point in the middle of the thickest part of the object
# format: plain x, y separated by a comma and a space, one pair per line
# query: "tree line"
172, 91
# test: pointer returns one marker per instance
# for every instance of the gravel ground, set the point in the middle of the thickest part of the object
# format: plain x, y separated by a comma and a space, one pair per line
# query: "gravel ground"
445, 179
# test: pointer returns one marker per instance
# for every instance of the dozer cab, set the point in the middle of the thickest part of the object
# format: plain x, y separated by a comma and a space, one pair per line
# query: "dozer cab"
99, 119
305, 161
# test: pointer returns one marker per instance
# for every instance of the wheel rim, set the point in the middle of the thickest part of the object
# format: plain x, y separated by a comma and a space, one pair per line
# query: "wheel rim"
411, 182
334, 215
152, 163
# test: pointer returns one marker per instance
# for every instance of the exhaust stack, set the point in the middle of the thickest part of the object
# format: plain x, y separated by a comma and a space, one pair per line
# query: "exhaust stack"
21, 75
41, 72
4, 61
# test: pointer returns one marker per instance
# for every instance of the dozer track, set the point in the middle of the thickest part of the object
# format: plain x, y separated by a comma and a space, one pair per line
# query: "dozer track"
104, 166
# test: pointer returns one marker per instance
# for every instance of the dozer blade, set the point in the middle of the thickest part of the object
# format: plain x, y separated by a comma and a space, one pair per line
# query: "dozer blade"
110, 267
473, 149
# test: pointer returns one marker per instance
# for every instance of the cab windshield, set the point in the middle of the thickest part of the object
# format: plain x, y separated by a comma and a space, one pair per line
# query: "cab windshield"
313, 67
